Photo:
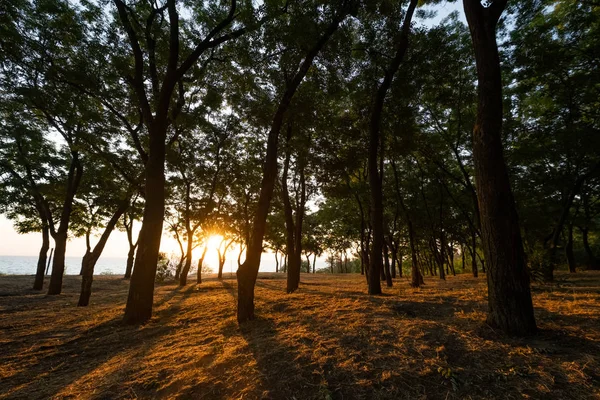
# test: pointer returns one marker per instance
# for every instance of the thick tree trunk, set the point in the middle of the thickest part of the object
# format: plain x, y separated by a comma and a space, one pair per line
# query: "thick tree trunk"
247, 273
314, 264
141, 288
509, 295
38, 283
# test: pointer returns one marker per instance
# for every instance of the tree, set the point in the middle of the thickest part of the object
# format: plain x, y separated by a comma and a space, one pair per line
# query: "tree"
158, 113
248, 271
509, 295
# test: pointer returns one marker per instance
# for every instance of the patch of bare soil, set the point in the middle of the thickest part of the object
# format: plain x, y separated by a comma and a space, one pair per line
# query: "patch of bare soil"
327, 341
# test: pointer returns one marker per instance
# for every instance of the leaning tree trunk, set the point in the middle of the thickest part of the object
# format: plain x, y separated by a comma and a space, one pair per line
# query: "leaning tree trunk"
200, 265
509, 294
247, 273
129, 265
375, 154
90, 259
38, 283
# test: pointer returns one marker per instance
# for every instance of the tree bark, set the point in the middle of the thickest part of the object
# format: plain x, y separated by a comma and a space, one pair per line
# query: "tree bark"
474, 253
375, 155
569, 250
60, 238
188, 259
386, 260
248, 271
91, 259
593, 262
200, 265
293, 229
129, 265
38, 283
141, 288
509, 295
132, 245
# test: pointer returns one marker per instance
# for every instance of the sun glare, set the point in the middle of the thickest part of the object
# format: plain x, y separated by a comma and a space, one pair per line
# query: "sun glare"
213, 242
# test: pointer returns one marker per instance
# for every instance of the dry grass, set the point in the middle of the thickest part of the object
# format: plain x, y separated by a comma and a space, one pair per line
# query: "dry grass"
328, 340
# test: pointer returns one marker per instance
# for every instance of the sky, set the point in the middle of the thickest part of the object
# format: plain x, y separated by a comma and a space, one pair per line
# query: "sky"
11, 243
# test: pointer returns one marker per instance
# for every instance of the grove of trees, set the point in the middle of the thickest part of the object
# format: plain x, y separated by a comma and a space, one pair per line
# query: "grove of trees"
356, 129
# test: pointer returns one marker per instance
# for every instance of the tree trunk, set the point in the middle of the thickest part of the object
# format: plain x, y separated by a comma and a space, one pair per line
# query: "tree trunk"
132, 245
200, 266
386, 261
49, 260
129, 265
188, 261
474, 253
593, 262
38, 283
375, 155
416, 279
276, 262
509, 295
314, 264
221, 265
294, 256
141, 288
569, 250
91, 258
248, 271
60, 238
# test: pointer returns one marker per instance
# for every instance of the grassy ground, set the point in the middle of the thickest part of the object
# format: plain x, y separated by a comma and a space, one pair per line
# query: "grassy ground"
327, 341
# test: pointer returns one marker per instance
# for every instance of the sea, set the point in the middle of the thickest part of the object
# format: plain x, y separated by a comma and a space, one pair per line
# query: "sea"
26, 265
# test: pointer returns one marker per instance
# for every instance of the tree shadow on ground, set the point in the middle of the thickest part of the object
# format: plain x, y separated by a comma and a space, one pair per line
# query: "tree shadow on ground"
87, 350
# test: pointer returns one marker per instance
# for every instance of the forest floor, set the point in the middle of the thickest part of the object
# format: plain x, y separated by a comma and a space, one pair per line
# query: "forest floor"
329, 340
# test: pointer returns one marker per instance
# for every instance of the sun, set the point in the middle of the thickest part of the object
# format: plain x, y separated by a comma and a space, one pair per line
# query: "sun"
213, 242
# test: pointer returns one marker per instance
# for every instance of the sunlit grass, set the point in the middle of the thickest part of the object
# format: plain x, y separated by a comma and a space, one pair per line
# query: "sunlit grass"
328, 340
